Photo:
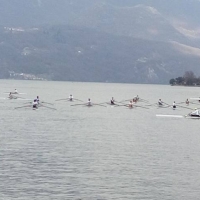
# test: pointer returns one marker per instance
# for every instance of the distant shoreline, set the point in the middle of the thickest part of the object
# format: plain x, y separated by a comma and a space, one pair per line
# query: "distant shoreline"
187, 85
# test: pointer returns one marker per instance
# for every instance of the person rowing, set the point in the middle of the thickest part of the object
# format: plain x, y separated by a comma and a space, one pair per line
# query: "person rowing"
37, 99
187, 102
195, 113
15, 92
35, 103
174, 105
130, 105
136, 99
112, 101
70, 97
160, 103
10, 96
89, 103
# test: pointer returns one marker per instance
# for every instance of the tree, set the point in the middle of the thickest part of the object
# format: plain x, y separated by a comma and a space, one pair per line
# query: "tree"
172, 81
179, 80
189, 77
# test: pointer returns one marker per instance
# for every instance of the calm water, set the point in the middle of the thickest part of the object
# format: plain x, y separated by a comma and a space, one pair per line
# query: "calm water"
97, 153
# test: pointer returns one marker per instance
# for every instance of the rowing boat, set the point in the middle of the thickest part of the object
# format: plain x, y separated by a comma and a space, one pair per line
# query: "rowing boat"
178, 116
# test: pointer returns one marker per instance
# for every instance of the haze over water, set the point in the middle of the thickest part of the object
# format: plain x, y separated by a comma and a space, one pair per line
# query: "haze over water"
76, 152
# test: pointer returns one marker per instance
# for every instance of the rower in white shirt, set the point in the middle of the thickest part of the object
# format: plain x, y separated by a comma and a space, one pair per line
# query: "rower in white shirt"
35, 103
70, 97
15, 92
89, 103
38, 100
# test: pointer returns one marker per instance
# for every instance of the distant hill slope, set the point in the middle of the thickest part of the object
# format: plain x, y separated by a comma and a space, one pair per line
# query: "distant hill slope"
141, 41
79, 54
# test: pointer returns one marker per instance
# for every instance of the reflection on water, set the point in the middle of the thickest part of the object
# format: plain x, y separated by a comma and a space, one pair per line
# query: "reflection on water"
99, 152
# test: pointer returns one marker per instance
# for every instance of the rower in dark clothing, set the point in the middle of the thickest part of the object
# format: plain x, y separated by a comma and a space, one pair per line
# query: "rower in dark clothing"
112, 101
174, 105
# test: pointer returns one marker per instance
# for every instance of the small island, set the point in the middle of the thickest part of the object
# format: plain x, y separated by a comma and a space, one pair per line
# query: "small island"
188, 79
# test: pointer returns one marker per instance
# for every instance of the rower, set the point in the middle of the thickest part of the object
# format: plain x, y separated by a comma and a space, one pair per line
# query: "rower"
70, 97
112, 101
187, 102
35, 103
160, 103
37, 100
135, 99
195, 113
89, 103
130, 105
174, 105
10, 95
15, 92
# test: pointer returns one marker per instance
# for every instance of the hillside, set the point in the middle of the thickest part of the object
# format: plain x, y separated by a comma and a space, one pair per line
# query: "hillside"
109, 40
75, 54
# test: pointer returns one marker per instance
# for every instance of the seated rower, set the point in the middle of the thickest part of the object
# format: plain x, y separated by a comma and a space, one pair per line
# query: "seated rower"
70, 97
130, 105
195, 113
112, 101
174, 105
15, 92
38, 100
89, 103
35, 104
10, 95
187, 102
160, 103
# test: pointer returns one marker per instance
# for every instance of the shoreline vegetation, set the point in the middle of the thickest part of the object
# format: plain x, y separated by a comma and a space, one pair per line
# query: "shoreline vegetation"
188, 79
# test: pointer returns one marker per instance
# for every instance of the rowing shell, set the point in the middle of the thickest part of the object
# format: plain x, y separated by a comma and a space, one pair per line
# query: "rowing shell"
179, 116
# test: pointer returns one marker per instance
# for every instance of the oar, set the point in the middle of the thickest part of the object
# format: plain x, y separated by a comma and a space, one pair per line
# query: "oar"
185, 107
166, 104
141, 106
19, 97
154, 104
120, 105
181, 102
124, 100
78, 104
112, 104
102, 103
194, 103
98, 104
47, 103
23, 106
47, 107
143, 100
78, 100
163, 106
61, 99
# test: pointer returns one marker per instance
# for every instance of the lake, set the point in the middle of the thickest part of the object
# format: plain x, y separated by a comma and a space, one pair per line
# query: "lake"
97, 153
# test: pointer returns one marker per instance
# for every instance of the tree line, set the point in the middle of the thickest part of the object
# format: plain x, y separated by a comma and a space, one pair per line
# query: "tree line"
188, 79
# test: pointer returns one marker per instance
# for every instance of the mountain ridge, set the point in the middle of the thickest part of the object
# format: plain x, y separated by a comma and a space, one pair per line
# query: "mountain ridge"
123, 41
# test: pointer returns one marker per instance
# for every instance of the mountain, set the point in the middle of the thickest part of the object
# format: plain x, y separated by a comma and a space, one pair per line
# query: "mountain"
146, 41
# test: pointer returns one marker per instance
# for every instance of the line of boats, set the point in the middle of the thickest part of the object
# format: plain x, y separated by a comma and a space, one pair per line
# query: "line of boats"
135, 102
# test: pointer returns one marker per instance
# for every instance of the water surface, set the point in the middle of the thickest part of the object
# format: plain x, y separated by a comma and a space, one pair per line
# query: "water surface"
76, 152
